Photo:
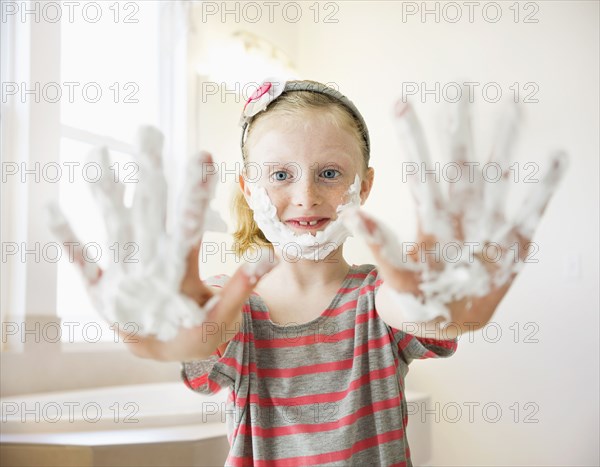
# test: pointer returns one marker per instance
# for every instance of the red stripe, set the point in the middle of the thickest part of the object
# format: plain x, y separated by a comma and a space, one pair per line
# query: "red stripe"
238, 367
306, 369
195, 383
322, 397
300, 341
372, 344
349, 305
260, 315
336, 365
334, 456
254, 430
213, 386
405, 341
447, 344
202, 380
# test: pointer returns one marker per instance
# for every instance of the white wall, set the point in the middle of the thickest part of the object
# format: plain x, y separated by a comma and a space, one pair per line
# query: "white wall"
370, 53
547, 390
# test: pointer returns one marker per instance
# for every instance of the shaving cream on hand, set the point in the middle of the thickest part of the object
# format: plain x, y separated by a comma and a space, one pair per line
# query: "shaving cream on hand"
471, 218
144, 288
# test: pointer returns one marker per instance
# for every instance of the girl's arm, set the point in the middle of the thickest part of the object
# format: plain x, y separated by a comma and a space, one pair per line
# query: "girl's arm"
178, 316
196, 343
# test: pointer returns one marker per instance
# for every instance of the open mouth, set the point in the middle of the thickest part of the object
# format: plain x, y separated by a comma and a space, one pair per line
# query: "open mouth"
308, 225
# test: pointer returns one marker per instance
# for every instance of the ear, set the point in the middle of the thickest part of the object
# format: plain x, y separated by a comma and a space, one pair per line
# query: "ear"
366, 185
244, 188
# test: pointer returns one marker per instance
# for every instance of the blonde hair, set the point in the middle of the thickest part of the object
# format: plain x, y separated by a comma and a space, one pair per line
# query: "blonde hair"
247, 235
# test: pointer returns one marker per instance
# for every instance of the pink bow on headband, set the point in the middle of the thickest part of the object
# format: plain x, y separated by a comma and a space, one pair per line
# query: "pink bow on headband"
267, 92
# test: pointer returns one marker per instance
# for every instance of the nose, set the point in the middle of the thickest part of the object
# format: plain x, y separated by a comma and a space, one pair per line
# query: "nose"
306, 193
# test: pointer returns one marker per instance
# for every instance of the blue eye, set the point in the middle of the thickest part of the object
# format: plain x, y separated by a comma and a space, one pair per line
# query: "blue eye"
330, 173
280, 175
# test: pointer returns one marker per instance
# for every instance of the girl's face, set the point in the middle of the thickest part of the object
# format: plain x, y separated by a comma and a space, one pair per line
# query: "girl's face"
307, 164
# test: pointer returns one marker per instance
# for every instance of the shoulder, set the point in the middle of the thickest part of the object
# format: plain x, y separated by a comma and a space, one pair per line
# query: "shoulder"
364, 275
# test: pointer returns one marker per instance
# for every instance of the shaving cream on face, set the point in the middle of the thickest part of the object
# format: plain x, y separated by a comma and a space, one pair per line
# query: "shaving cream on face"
308, 246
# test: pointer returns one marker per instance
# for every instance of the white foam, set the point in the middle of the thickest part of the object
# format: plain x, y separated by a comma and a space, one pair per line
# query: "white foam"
146, 291
307, 246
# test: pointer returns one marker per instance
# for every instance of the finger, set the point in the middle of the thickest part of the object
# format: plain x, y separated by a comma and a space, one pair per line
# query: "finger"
195, 214
495, 190
538, 197
61, 229
465, 201
431, 206
388, 251
192, 285
536, 200
516, 236
148, 210
240, 286
224, 308
109, 196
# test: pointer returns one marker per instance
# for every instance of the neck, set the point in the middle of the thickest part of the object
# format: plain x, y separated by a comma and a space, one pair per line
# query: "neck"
306, 274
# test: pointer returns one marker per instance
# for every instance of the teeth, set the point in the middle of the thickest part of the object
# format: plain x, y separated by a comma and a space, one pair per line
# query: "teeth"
308, 223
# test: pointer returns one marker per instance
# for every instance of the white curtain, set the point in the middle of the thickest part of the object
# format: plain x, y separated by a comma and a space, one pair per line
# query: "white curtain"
177, 84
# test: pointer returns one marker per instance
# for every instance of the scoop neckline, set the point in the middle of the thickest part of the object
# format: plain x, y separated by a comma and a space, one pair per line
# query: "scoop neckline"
323, 316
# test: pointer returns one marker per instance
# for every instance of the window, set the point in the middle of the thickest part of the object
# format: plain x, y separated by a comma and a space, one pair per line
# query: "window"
96, 77
110, 82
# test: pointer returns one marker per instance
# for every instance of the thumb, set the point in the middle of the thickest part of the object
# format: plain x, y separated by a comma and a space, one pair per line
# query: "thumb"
240, 286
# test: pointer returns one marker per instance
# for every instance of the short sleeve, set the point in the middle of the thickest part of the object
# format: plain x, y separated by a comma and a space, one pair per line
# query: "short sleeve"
412, 347
224, 367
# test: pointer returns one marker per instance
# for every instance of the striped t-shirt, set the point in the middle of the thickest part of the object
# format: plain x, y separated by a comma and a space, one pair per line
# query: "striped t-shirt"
327, 392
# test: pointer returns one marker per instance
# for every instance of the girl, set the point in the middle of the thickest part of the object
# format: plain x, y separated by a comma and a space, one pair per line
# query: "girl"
315, 350
316, 376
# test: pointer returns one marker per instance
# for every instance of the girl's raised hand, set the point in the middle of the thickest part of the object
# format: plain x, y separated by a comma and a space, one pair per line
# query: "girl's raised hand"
467, 253
157, 286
